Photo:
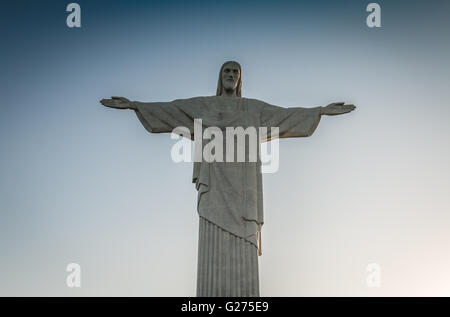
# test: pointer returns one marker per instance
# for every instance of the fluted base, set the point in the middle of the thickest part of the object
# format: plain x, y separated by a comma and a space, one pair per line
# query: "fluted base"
227, 264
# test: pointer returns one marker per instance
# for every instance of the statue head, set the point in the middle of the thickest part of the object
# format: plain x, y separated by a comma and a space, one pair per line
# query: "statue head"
229, 79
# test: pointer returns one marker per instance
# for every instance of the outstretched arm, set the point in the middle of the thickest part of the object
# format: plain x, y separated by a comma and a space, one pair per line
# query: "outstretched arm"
297, 121
160, 117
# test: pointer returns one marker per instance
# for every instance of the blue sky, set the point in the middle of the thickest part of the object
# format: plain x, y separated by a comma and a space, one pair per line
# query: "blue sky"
86, 184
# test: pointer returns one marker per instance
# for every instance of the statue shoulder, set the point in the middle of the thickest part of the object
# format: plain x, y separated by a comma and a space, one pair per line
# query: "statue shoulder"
256, 103
200, 100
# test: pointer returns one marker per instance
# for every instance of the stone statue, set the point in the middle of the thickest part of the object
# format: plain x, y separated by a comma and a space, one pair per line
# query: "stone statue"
229, 201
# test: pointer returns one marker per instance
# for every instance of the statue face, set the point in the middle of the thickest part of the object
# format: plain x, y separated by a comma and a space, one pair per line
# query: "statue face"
230, 76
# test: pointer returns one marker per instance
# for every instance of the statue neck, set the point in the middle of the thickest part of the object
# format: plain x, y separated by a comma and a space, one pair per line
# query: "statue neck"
229, 92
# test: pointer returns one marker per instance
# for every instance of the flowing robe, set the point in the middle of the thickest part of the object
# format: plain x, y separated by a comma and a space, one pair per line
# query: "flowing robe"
229, 200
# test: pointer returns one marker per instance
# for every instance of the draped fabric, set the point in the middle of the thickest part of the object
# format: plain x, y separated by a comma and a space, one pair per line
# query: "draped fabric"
230, 197
227, 264
229, 193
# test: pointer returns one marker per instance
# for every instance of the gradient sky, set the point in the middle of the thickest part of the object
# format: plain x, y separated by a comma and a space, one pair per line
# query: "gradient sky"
87, 184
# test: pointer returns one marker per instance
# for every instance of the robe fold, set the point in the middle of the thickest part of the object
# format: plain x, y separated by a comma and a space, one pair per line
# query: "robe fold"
230, 195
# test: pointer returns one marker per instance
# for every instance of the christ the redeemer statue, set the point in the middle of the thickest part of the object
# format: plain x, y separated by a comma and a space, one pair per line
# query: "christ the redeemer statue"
229, 201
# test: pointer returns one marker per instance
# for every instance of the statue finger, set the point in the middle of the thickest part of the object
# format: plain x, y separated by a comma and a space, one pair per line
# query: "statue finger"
350, 107
107, 104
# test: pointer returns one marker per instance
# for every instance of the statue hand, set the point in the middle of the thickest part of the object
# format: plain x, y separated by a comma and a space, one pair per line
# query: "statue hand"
117, 103
336, 108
